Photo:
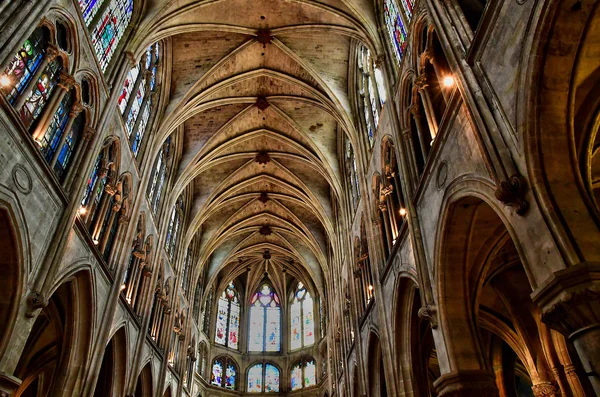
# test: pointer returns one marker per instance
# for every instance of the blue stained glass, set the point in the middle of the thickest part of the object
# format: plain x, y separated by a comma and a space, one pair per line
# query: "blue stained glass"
92, 180
108, 32
49, 142
216, 377
271, 379
128, 86
89, 8
230, 374
25, 63
395, 28
139, 136
297, 377
135, 108
40, 94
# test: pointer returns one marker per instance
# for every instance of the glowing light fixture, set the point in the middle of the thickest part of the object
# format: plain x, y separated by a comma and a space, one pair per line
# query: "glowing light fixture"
5, 81
403, 211
82, 211
448, 81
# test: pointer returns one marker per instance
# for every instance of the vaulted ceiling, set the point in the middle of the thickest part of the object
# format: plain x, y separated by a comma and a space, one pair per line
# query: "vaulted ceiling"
260, 89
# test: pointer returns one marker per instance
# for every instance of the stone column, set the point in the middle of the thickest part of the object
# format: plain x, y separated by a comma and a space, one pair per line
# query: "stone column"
570, 304
421, 130
466, 383
386, 221
77, 157
62, 88
423, 86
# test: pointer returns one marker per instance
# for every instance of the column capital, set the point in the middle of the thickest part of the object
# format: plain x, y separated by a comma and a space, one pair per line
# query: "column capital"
88, 133
66, 81
51, 52
8, 384
570, 298
468, 383
76, 108
546, 389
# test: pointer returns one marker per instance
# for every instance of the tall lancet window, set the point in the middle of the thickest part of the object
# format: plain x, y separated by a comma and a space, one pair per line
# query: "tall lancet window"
304, 374
174, 229
263, 378
228, 318
302, 324
109, 29
264, 333
395, 26
135, 101
159, 176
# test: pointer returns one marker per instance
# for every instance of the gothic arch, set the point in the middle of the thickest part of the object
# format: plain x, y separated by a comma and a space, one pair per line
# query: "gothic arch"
112, 374
143, 386
377, 386
13, 264
56, 352
560, 122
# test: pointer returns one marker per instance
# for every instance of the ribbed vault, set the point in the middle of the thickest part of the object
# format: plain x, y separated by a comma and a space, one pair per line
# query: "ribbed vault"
259, 91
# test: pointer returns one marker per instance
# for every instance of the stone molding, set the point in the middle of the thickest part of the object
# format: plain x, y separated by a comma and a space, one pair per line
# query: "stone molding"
8, 384
429, 313
546, 389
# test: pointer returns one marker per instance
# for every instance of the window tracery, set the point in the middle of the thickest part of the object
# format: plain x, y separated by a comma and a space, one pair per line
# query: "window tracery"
224, 373
228, 318
136, 109
263, 378
109, 30
303, 374
174, 228
264, 331
159, 176
302, 327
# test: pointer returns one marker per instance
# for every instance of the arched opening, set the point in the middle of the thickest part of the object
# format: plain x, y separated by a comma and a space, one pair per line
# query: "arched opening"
492, 326
111, 379
57, 347
416, 354
377, 379
143, 386
10, 267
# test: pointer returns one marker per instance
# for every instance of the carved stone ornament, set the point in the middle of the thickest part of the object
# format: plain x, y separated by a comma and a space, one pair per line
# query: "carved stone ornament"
266, 255
66, 81
35, 301
546, 389
261, 103
263, 197
262, 157
575, 310
22, 179
88, 133
265, 230
264, 37
512, 193
429, 313
51, 53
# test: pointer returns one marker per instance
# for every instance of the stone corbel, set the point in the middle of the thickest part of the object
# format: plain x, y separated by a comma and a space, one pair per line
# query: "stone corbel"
429, 313
512, 193
35, 301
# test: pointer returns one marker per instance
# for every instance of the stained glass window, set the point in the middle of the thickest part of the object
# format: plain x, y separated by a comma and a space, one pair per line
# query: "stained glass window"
66, 151
25, 64
224, 373
263, 378
271, 379
89, 8
302, 330
50, 140
156, 186
352, 176
128, 86
395, 28
137, 108
264, 333
110, 28
228, 318
374, 106
216, 377
255, 375
304, 374
40, 94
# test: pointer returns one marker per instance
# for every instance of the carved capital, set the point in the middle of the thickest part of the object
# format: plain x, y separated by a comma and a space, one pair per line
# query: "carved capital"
88, 133
110, 189
546, 389
574, 311
66, 81
262, 158
421, 81
429, 313
130, 59
76, 108
383, 207
466, 384
570, 298
51, 52
512, 193
35, 301
140, 255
